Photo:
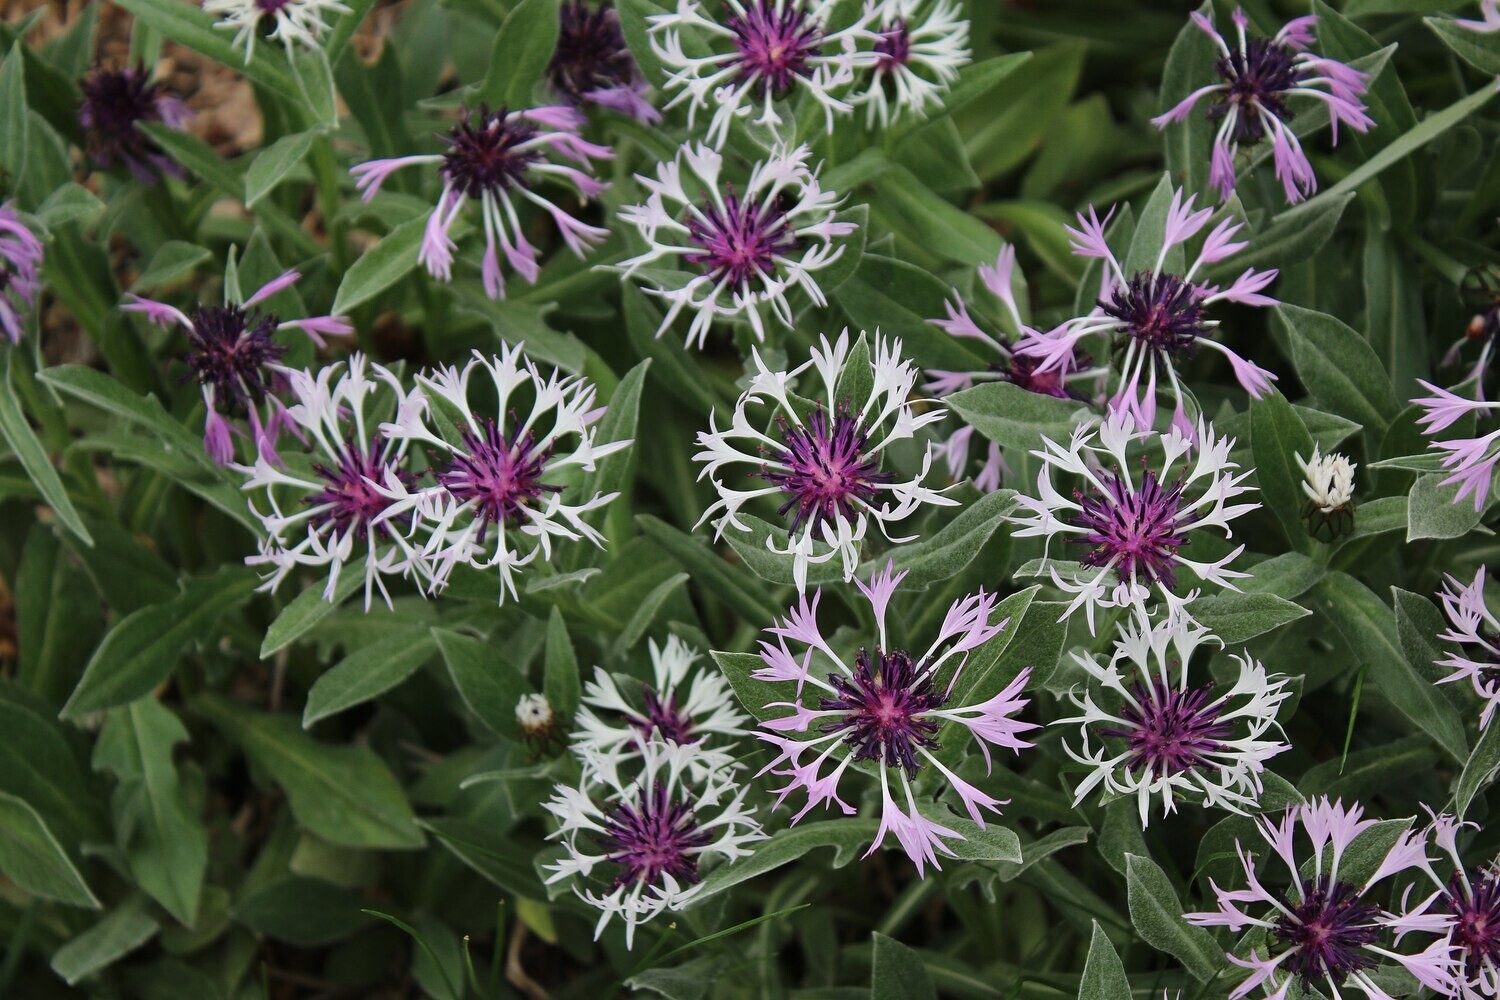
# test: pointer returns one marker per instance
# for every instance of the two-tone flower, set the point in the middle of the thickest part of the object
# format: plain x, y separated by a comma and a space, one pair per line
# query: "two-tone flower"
920, 47
1471, 897
296, 24
116, 102
1475, 632
20, 273
824, 466
1258, 77
884, 708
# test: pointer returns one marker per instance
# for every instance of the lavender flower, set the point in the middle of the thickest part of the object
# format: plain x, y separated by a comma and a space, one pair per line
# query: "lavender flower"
921, 45
670, 708
1327, 930
1472, 899
1134, 526
825, 466
592, 65
329, 511
649, 827
762, 52
495, 157
20, 272
1489, 11
887, 709
1259, 76
752, 250
1161, 317
1476, 631
498, 499
1164, 736
294, 23
1469, 460
115, 103
233, 355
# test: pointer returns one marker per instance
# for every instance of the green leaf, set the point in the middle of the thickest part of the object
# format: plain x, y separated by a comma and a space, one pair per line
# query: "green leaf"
13, 113
1479, 770
915, 213
120, 932
897, 972
142, 649
172, 260
754, 695
28, 448
38, 766
1237, 618
1339, 367
492, 855
610, 474
344, 794
1014, 418
272, 164
69, 203
1000, 134
1433, 513
901, 300
1103, 972
1291, 237
164, 841
146, 412
1151, 230
306, 912
671, 364
380, 267
522, 50
948, 551
57, 628
1479, 49
313, 73
366, 674
1277, 435
753, 548
741, 592
486, 680
1156, 913
645, 613
1190, 61
33, 859
305, 611
560, 678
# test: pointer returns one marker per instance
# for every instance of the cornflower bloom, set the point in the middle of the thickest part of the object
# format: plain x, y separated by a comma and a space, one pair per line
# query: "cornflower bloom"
761, 52
825, 466
670, 707
592, 65
495, 158
233, 355
1469, 460
1258, 78
329, 510
1476, 632
1165, 736
887, 709
1160, 317
293, 23
1134, 525
1472, 899
921, 46
116, 102
750, 250
498, 501
20, 272
649, 824
1327, 928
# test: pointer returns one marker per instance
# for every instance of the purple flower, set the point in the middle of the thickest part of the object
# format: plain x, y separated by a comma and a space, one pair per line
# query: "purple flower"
1162, 318
294, 23
1329, 929
1470, 461
592, 65
920, 47
1259, 76
889, 708
233, 356
1476, 632
495, 158
20, 272
1472, 901
115, 103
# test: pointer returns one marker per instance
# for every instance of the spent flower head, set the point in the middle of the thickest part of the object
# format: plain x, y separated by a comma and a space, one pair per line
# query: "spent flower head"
591, 63
116, 102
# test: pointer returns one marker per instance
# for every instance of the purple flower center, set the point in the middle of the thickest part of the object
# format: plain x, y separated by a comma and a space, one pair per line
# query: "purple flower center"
1173, 731
1021, 370
883, 704
741, 241
352, 501
665, 717
1135, 530
486, 154
502, 478
591, 53
1328, 928
271, 6
1476, 921
1161, 311
114, 103
1257, 78
827, 469
653, 837
894, 46
229, 347
776, 46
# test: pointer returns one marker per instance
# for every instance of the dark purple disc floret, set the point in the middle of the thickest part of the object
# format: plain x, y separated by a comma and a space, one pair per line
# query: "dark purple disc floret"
502, 477
591, 53
1257, 77
881, 703
1160, 311
484, 153
229, 348
1330, 929
1173, 731
894, 46
1476, 920
828, 469
1136, 530
653, 837
352, 499
115, 103
666, 718
742, 241
775, 46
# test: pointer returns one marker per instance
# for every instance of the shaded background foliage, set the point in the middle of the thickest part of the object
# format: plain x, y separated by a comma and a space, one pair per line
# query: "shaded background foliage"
211, 792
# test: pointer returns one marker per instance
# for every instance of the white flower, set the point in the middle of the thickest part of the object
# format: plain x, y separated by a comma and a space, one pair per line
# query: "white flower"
824, 466
751, 247
649, 828
297, 22
1330, 480
1159, 735
922, 46
338, 505
670, 708
498, 501
762, 52
533, 713
1134, 524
